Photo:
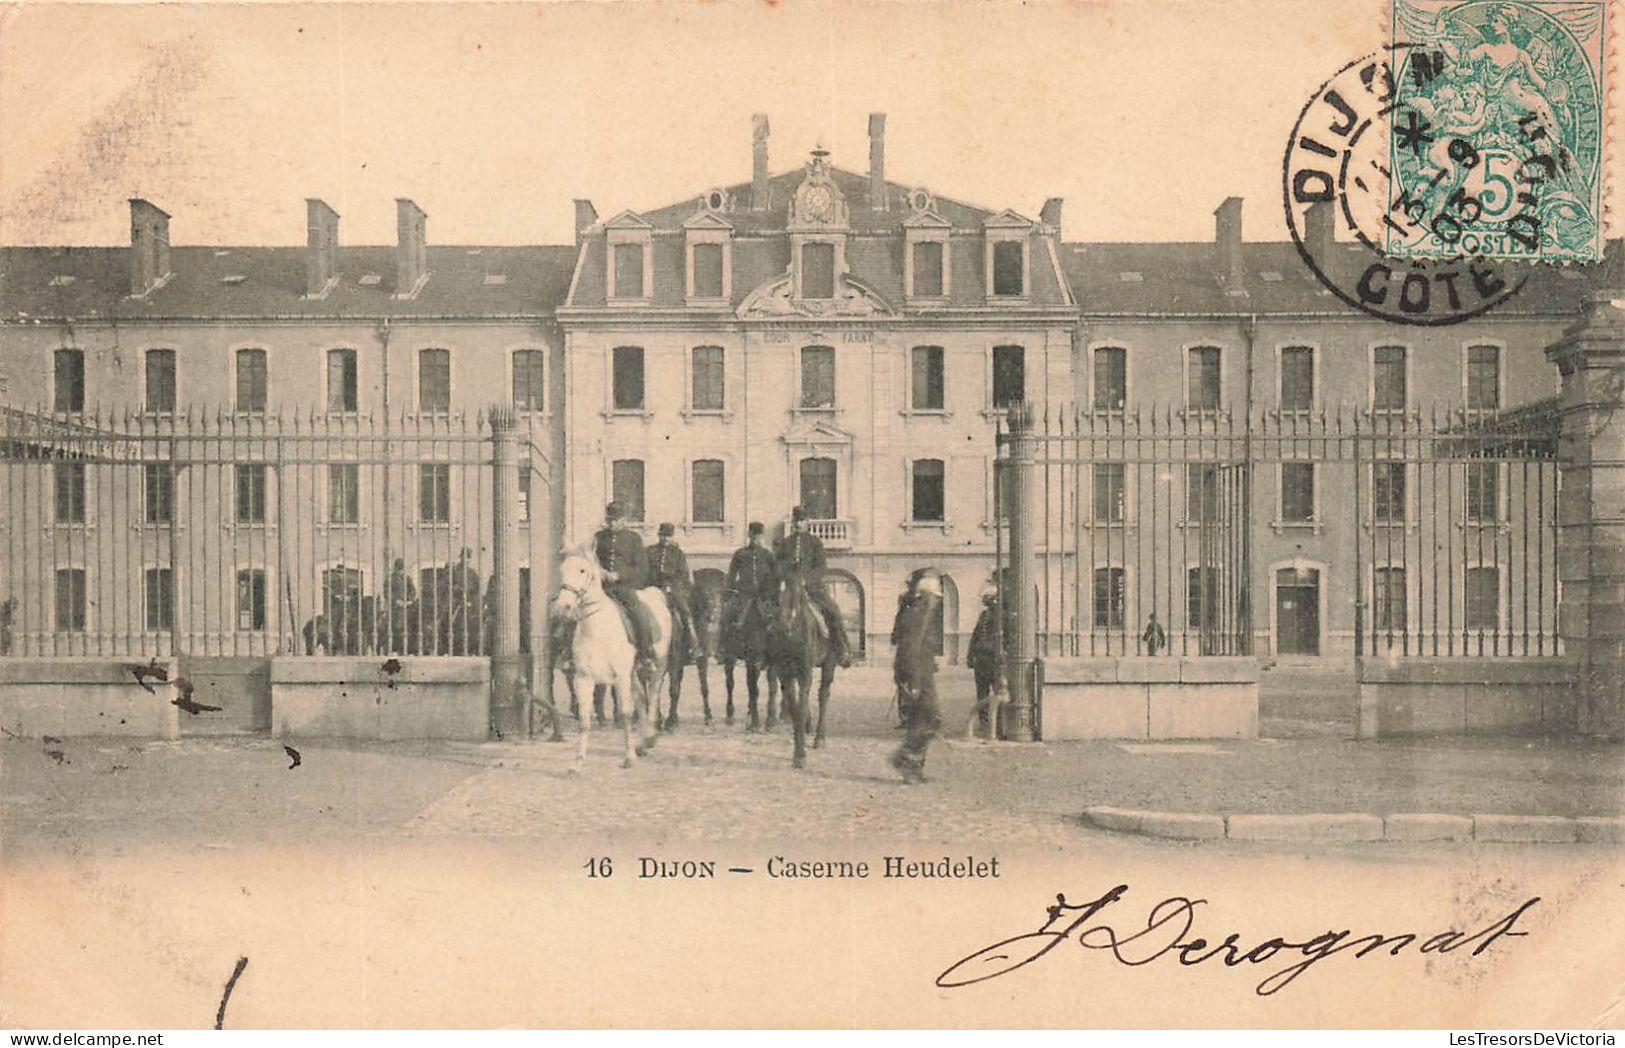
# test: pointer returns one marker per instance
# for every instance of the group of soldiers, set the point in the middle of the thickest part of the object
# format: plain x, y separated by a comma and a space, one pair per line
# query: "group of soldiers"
753, 576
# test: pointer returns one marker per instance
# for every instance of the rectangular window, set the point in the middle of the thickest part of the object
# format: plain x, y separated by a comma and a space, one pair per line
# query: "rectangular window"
708, 492
1483, 491
434, 493
1483, 599
251, 600
250, 494
925, 389
70, 600
69, 480
928, 269
1388, 492
1388, 600
628, 270
252, 383
818, 488
523, 492
1109, 492
1109, 593
159, 490
341, 380
161, 380
1201, 493
708, 391
1009, 375
434, 380
343, 493
817, 377
628, 378
1297, 492
1388, 378
1483, 378
1007, 267
930, 480
1201, 598
626, 486
1297, 378
68, 389
160, 605
708, 271
1111, 378
817, 270
529, 382
1202, 379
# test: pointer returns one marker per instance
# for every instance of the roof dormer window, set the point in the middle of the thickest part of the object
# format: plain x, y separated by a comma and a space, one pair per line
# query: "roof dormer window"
1008, 263
817, 270
709, 248
631, 242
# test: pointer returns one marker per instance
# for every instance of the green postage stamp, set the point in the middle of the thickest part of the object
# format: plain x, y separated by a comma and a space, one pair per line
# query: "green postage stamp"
1496, 129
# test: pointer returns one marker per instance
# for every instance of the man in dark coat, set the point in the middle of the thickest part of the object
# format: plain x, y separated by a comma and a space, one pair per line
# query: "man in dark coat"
983, 656
751, 577
620, 555
801, 551
917, 670
668, 569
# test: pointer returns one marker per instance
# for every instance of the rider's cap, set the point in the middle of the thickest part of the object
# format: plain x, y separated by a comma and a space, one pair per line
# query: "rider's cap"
667, 529
798, 513
756, 527
614, 511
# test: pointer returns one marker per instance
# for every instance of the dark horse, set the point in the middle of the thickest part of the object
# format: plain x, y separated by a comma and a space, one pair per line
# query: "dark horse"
705, 601
744, 639
798, 642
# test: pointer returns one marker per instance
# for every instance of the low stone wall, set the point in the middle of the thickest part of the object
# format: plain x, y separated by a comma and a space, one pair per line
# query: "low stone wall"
89, 696
1467, 696
374, 697
1150, 697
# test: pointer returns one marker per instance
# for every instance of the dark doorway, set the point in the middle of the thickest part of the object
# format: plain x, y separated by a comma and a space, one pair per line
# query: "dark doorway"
1297, 611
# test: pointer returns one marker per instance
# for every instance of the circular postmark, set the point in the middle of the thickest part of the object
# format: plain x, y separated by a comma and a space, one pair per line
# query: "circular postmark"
1339, 162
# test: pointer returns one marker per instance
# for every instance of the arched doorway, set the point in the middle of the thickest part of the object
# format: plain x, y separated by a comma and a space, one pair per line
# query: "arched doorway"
847, 593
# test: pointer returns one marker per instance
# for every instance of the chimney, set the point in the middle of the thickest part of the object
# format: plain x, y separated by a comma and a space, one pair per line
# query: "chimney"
877, 162
149, 246
1320, 228
1227, 241
411, 248
586, 215
321, 247
758, 161
1050, 214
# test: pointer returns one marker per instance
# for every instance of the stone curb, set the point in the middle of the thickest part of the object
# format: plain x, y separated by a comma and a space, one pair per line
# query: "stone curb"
1355, 826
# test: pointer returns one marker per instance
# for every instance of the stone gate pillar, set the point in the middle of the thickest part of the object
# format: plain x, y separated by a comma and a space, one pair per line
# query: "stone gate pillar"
1019, 717
510, 699
1591, 511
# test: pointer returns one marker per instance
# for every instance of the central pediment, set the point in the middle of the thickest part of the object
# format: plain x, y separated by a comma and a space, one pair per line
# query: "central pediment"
776, 299
817, 433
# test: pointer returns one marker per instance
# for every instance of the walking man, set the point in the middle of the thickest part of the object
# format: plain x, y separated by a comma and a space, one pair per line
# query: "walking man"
621, 557
917, 669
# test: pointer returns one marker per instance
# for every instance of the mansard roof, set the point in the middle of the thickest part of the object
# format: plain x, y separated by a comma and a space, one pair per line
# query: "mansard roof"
225, 283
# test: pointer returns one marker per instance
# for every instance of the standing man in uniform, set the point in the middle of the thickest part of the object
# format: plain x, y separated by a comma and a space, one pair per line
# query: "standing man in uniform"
668, 569
620, 555
917, 668
801, 551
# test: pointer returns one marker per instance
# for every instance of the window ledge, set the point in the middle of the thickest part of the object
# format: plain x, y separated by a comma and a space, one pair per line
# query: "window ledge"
690, 414
939, 413
1315, 526
542, 413
69, 525
707, 525
1018, 299
944, 526
1500, 524
1106, 525
249, 525
830, 412
1200, 414
1377, 525
325, 525
641, 414
995, 413
707, 301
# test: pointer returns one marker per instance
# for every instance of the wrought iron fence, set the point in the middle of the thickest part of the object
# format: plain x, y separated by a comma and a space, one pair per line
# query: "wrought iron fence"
1168, 531
214, 534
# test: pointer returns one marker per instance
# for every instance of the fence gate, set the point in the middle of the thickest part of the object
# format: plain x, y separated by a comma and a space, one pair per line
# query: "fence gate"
224, 540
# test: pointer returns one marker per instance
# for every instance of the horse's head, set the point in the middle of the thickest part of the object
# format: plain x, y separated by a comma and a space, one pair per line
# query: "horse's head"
579, 577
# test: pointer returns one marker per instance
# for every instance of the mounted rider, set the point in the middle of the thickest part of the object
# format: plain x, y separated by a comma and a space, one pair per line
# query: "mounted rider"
801, 551
668, 569
621, 558
751, 578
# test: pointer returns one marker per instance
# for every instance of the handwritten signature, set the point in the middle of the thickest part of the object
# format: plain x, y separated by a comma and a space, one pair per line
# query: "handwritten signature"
1166, 932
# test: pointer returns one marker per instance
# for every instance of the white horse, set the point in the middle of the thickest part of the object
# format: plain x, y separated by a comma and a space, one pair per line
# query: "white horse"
603, 653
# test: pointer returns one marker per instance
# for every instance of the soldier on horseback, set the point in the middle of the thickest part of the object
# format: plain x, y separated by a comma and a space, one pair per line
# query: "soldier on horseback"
625, 569
750, 582
800, 551
668, 569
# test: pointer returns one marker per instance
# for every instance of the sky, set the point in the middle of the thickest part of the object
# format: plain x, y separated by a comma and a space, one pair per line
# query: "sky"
493, 117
